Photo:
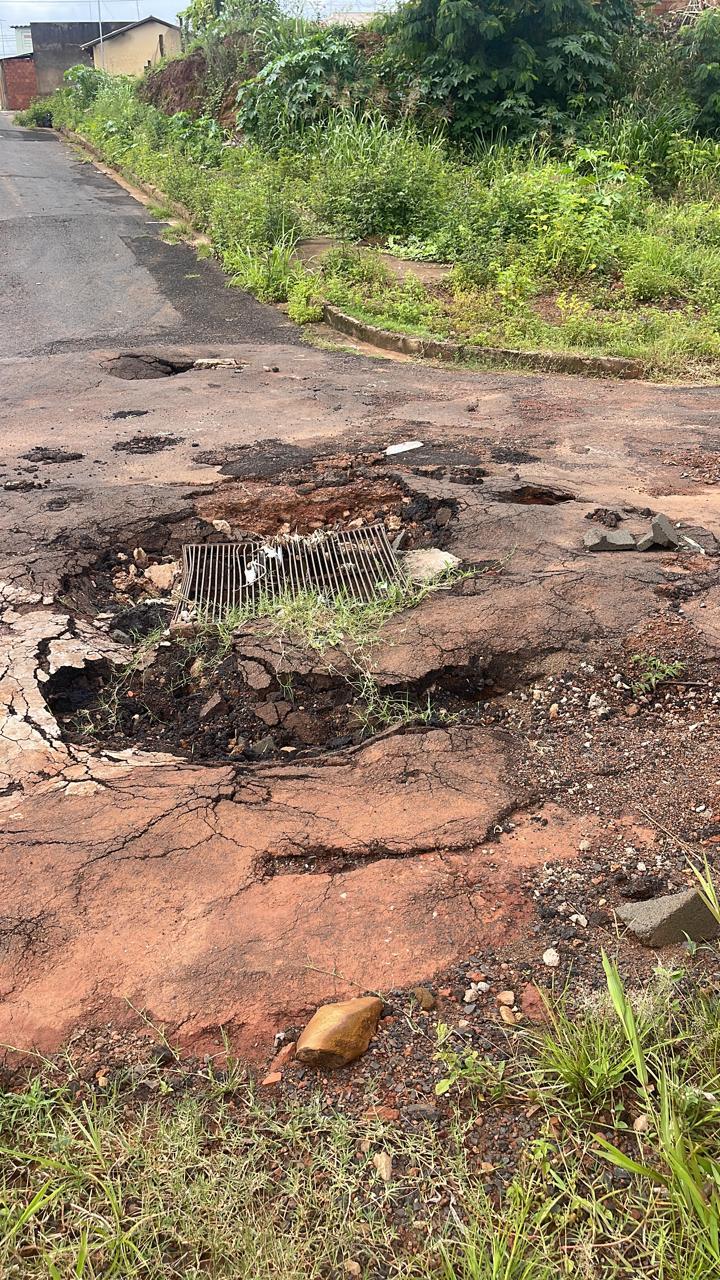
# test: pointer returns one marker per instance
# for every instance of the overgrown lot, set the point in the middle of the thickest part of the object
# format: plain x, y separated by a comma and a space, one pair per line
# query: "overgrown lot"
586, 221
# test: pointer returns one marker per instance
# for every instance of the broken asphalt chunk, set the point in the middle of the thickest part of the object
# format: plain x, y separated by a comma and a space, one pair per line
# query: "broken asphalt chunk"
659, 922
428, 563
608, 540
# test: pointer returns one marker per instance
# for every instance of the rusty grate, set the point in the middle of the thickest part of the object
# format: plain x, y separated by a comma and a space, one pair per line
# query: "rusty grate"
220, 577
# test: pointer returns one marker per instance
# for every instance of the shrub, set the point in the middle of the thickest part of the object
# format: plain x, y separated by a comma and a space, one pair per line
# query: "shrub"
38, 115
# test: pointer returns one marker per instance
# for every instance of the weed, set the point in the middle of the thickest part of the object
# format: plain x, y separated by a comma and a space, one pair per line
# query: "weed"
653, 671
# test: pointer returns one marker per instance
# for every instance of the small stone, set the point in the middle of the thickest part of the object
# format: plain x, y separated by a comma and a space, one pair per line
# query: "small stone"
267, 712
632, 710
215, 706
263, 746
424, 997
222, 526
507, 1015
162, 576
646, 543
352, 1268
608, 540
506, 997
140, 557
381, 1113
551, 958
339, 1033
641, 1124
554, 711
532, 1004
443, 516
283, 1057
383, 1163
428, 562
584, 846
273, 1077
660, 922
664, 532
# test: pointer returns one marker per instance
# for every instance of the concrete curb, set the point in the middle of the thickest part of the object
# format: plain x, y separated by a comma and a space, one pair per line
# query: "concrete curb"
432, 349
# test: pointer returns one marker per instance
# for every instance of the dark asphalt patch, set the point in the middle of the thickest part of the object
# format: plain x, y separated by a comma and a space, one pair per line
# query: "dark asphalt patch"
43, 454
146, 444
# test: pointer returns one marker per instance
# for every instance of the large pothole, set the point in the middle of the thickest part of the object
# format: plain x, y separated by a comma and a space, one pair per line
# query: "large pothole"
197, 692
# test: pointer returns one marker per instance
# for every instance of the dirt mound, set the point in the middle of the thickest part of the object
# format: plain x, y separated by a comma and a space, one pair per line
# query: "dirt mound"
177, 86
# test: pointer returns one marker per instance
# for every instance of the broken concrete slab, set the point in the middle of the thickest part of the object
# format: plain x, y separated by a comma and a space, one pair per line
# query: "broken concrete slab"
609, 540
428, 563
660, 922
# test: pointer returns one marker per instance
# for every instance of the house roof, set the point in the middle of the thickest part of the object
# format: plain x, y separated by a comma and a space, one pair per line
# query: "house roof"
131, 26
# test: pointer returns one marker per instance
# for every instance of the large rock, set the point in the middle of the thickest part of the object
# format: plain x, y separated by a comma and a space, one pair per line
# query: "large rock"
428, 563
661, 921
339, 1033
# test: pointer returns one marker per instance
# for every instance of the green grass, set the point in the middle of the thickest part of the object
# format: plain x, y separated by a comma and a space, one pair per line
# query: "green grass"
137, 1177
607, 245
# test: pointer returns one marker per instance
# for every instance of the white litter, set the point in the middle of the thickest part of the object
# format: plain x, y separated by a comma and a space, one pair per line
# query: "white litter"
404, 447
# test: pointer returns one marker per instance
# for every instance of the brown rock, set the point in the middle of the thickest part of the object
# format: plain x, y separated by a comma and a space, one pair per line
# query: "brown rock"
339, 1033
383, 1163
215, 706
381, 1113
507, 1015
267, 712
424, 997
285, 1055
532, 1004
273, 1077
506, 998
304, 727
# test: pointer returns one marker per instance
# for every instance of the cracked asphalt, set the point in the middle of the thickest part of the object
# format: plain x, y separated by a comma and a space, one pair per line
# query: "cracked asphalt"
140, 880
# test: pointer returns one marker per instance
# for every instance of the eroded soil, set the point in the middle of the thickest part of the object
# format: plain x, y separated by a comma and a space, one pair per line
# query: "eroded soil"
157, 856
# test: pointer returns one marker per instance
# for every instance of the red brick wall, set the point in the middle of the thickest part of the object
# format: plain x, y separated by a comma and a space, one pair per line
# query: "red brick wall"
17, 83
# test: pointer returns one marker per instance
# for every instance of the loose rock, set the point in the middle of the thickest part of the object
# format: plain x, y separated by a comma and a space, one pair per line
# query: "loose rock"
339, 1033
424, 997
551, 958
609, 540
162, 576
660, 922
429, 562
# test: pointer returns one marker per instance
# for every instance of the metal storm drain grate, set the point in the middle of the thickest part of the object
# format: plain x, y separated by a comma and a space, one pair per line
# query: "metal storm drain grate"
220, 577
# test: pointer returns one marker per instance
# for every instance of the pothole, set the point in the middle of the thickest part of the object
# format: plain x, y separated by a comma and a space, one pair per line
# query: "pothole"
203, 700
135, 366
535, 495
194, 691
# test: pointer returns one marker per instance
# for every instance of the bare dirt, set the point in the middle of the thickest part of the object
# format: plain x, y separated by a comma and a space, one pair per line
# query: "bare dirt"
152, 865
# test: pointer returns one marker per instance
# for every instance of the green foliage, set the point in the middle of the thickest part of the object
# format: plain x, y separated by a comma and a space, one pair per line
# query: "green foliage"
700, 42
488, 64
654, 671
305, 298
38, 115
304, 84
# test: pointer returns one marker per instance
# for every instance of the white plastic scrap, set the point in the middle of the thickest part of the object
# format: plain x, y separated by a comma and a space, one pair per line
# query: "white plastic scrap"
404, 447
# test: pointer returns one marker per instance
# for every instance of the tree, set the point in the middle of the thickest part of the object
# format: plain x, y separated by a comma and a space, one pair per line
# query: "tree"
488, 63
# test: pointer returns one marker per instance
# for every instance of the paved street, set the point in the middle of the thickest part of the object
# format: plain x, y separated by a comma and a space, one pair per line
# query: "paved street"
82, 262
145, 878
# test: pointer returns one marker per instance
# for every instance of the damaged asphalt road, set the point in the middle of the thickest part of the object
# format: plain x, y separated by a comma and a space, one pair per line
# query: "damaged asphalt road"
238, 895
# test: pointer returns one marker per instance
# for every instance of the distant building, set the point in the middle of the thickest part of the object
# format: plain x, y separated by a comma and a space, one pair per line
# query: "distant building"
128, 50
17, 82
53, 47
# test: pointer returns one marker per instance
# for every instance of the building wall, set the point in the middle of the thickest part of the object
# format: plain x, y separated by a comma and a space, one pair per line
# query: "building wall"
129, 54
56, 46
17, 83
